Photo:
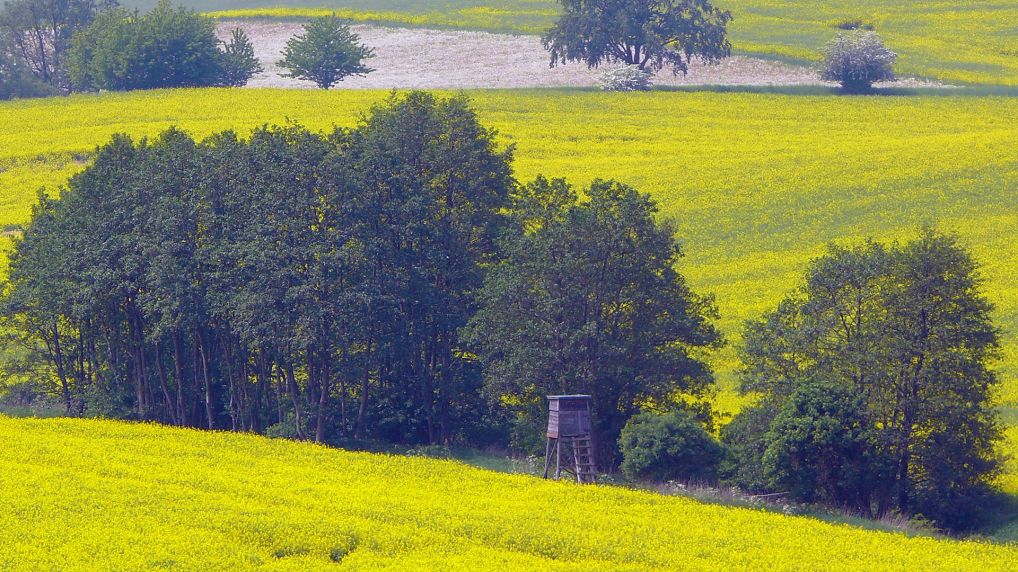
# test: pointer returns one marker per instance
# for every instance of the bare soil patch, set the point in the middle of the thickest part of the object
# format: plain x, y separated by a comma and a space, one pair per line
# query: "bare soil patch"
432, 59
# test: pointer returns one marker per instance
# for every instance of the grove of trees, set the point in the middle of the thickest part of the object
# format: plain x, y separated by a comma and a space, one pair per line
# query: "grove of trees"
58, 46
35, 38
319, 286
393, 282
875, 385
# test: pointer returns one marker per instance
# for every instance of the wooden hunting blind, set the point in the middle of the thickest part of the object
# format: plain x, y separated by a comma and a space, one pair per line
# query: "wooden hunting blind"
569, 423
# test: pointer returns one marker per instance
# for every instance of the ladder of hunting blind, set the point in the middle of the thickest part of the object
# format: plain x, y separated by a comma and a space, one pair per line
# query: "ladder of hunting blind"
583, 460
582, 464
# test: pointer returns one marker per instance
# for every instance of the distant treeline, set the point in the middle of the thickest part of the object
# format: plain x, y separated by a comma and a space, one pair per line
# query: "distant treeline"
389, 282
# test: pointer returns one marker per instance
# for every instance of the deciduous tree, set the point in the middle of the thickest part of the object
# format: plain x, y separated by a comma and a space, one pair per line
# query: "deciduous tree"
907, 329
589, 301
649, 34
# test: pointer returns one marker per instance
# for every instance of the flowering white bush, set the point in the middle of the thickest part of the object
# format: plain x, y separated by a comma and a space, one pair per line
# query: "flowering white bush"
624, 78
857, 59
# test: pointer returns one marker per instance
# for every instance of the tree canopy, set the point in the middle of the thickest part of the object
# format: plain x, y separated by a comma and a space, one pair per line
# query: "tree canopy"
387, 282
35, 38
649, 34
167, 47
905, 328
588, 300
326, 53
314, 283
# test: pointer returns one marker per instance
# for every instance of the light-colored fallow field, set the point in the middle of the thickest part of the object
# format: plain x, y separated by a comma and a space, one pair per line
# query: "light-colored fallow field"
448, 59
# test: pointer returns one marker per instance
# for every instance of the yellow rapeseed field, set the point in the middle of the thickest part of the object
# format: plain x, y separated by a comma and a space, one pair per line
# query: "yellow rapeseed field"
757, 183
88, 495
969, 41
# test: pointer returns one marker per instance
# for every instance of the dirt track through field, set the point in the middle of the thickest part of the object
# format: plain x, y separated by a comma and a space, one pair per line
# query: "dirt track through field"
424, 59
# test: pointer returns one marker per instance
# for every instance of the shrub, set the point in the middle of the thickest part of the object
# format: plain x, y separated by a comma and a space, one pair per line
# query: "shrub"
857, 24
238, 61
326, 53
673, 446
821, 447
16, 81
745, 443
857, 59
167, 47
624, 78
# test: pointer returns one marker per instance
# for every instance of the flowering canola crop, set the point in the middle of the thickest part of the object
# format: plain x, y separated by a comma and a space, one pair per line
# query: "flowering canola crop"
86, 495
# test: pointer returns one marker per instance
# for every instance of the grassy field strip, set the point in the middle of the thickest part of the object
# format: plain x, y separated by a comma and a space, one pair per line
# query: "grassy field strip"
78, 494
758, 184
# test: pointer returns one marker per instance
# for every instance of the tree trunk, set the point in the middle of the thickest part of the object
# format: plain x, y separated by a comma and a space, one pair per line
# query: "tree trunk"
323, 399
61, 373
362, 411
205, 377
163, 384
179, 378
291, 383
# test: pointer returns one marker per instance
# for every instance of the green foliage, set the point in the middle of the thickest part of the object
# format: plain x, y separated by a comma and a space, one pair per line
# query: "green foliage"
856, 59
16, 81
588, 301
239, 63
326, 53
167, 47
745, 441
906, 329
822, 447
240, 279
649, 34
961, 41
36, 36
669, 447
948, 157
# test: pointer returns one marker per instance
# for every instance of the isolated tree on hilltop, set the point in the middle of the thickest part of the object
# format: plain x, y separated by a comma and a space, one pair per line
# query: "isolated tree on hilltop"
326, 53
649, 34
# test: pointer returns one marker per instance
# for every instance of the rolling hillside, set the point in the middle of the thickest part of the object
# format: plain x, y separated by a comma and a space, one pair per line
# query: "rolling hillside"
78, 494
967, 41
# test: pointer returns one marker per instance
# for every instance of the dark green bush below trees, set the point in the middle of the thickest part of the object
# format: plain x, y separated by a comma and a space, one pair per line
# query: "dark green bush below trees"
821, 447
16, 81
669, 447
